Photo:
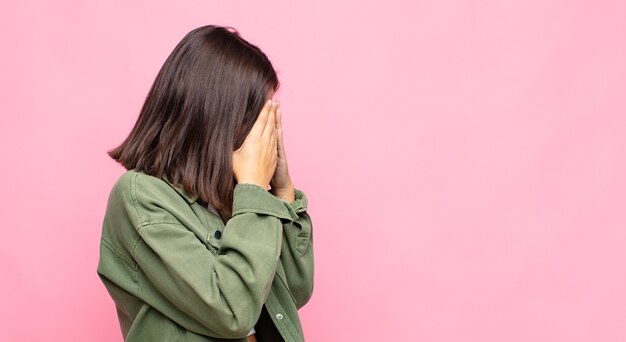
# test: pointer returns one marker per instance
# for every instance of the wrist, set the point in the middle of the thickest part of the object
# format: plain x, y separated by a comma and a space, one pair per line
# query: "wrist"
287, 193
257, 183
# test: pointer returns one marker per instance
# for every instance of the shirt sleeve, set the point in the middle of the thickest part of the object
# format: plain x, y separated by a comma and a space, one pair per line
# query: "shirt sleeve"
217, 295
297, 250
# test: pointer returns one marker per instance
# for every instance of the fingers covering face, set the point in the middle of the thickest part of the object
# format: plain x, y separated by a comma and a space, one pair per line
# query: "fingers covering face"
261, 121
270, 120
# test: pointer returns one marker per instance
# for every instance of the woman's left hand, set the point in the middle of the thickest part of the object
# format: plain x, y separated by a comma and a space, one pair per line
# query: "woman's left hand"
281, 181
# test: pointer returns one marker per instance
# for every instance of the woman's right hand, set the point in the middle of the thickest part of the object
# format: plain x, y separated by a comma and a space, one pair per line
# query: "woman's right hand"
255, 161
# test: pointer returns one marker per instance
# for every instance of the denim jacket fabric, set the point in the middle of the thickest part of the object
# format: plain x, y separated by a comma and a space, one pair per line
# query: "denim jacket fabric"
176, 272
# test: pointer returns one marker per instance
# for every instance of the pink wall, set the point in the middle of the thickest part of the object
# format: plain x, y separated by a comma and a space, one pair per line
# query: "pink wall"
464, 160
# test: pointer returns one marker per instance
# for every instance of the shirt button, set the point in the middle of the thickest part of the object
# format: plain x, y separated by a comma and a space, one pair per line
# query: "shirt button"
218, 234
279, 316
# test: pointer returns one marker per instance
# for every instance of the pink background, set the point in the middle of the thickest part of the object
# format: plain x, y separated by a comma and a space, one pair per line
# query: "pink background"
464, 160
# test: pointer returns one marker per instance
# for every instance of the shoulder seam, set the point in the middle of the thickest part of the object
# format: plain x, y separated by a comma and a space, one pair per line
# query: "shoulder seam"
152, 223
133, 196
145, 220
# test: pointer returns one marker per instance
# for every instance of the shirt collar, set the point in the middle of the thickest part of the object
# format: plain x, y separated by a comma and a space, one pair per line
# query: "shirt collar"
188, 197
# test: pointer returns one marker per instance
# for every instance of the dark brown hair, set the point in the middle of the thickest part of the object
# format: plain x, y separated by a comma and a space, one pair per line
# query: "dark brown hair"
200, 108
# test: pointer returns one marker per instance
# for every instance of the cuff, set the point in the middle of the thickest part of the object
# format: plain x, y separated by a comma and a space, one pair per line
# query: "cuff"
301, 202
248, 197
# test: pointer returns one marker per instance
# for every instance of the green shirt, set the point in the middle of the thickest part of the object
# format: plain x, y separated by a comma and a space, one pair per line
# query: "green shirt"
176, 272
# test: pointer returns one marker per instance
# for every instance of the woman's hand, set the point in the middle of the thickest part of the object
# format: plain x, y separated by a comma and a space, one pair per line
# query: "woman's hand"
255, 161
281, 181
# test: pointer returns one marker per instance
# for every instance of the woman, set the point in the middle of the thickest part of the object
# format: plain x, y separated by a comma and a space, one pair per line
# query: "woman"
194, 247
